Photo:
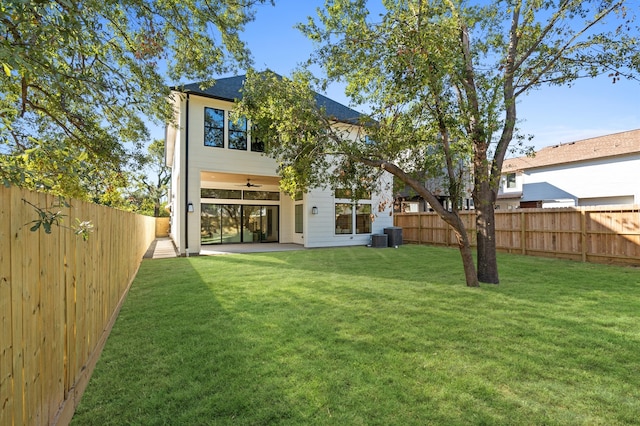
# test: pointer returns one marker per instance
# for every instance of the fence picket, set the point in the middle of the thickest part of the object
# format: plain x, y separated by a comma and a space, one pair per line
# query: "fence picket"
6, 314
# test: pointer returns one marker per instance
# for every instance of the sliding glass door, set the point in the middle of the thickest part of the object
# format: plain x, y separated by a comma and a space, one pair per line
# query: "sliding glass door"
269, 224
234, 223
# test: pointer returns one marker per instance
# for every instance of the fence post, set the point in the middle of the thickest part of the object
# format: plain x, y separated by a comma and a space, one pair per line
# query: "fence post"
583, 234
523, 232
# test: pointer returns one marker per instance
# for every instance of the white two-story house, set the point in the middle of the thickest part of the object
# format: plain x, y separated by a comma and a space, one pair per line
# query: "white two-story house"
224, 189
598, 171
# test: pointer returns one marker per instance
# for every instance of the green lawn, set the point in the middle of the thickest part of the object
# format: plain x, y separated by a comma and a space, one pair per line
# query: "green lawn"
356, 336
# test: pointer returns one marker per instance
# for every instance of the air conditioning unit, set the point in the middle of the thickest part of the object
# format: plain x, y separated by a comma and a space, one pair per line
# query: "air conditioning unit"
379, 240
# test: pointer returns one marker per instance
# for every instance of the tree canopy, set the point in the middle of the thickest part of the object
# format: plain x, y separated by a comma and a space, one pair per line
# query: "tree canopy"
441, 80
151, 182
80, 78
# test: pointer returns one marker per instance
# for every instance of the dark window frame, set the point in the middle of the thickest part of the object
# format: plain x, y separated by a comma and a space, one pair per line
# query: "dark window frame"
343, 226
261, 195
238, 134
217, 193
363, 218
212, 127
257, 145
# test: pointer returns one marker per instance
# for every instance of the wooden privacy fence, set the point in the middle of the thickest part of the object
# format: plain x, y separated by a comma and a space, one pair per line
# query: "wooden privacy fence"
162, 226
59, 296
587, 234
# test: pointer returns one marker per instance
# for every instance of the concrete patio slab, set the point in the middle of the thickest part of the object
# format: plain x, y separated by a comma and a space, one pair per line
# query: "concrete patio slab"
212, 250
163, 248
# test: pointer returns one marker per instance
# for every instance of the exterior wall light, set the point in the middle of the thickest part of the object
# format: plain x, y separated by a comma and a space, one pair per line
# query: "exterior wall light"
314, 210
190, 207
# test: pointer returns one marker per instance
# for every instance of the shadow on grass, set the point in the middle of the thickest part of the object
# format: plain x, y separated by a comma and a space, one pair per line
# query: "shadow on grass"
362, 336
176, 356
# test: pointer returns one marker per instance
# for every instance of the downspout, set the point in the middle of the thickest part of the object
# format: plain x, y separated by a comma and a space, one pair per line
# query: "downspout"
186, 182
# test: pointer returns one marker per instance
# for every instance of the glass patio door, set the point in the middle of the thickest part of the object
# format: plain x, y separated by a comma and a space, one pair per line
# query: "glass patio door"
210, 225
231, 223
234, 223
270, 221
252, 228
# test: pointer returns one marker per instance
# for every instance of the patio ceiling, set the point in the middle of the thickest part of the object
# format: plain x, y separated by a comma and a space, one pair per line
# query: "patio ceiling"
230, 179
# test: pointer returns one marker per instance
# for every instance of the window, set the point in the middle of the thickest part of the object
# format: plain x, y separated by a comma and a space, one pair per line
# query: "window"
214, 127
347, 193
511, 180
352, 216
262, 195
344, 218
363, 219
238, 194
238, 134
343, 193
298, 218
257, 145
229, 194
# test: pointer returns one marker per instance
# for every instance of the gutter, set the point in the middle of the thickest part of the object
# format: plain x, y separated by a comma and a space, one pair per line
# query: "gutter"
186, 181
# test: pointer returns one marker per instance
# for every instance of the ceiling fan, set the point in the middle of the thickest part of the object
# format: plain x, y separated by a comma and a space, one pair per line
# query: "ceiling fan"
250, 185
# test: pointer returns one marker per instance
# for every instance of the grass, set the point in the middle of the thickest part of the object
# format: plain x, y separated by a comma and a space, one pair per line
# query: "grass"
370, 336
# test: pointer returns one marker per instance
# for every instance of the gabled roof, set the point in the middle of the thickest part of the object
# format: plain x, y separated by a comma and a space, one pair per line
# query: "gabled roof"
229, 89
617, 144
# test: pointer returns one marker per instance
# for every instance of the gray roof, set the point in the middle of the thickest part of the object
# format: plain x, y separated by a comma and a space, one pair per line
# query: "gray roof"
544, 191
229, 89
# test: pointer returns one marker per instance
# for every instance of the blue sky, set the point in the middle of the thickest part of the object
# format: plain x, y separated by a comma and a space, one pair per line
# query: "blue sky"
589, 108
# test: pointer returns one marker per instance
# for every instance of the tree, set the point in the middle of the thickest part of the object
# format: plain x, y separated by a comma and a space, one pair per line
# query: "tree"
442, 80
79, 78
152, 182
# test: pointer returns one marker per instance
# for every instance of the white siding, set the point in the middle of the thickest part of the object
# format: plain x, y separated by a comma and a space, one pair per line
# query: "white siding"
320, 228
178, 198
287, 219
606, 178
608, 181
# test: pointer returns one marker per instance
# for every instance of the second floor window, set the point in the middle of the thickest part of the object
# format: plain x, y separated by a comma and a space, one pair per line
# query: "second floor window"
511, 180
214, 127
238, 134
256, 144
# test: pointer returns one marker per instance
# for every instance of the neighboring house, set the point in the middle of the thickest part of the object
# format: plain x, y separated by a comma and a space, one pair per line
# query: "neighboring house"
225, 190
593, 172
407, 201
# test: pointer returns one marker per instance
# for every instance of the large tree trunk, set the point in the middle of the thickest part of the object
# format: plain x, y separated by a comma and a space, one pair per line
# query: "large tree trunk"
483, 196
467, 254
486, 233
